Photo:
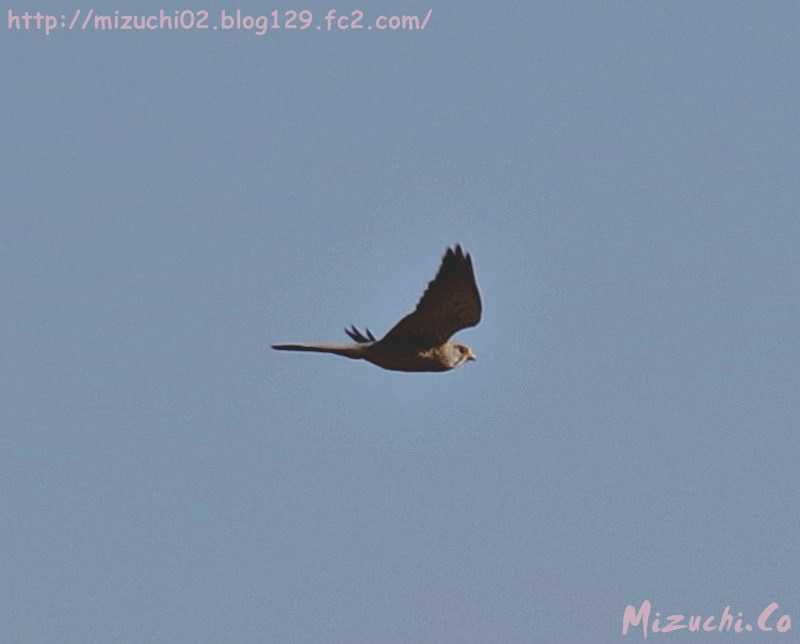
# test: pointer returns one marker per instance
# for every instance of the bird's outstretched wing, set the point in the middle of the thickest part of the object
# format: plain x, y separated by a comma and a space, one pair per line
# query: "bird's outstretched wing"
450, 303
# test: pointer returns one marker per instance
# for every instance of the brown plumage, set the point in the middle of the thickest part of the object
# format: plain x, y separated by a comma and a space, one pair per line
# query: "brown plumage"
421, 340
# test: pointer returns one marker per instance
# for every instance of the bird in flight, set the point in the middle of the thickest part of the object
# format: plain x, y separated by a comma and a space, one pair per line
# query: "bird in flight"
421, 340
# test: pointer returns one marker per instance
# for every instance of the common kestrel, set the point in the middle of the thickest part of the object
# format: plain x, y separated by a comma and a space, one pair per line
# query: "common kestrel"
421, 340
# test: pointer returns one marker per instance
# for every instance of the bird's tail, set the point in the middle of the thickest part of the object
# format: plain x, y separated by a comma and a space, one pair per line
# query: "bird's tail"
354, 351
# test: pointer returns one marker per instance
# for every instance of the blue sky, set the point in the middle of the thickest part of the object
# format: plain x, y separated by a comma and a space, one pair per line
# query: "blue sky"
625, 177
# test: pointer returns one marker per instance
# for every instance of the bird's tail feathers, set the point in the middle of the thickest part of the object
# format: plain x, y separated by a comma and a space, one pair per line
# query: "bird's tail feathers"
354, 351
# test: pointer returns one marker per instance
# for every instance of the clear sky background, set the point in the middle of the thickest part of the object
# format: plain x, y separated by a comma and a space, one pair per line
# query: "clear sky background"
625, 175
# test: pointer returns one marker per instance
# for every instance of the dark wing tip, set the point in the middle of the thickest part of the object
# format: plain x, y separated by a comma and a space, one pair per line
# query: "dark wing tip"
359, 337
457, 252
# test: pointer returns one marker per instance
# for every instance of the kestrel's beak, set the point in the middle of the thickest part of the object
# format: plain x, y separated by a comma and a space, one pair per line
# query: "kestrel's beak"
471, 357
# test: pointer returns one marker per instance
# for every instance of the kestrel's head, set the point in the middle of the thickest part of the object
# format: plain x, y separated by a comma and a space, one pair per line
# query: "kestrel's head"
464, 354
